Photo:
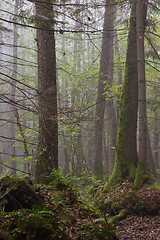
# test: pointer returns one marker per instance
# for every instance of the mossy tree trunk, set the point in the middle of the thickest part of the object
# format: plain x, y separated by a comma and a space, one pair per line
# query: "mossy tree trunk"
126, 147
47, 88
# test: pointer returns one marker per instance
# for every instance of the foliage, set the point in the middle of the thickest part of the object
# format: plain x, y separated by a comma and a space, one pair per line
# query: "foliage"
59, 214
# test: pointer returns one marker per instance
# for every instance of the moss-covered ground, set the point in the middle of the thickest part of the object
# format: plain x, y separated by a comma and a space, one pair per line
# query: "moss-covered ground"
123, 200
71, 208
55, 211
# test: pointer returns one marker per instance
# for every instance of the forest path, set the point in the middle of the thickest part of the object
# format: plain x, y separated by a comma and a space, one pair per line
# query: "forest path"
134, 228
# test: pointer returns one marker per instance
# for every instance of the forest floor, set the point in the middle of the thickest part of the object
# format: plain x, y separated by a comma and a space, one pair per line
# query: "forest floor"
54, 211
142, 212
63, 210
134, 227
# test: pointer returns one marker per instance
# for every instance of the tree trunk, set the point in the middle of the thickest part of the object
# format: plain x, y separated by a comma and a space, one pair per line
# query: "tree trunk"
119, 57
126, 147
117, 51
156, 138
12, 97
110, 108
105, 78
48, 125
1, 66
150, 160
141, 82
142, 174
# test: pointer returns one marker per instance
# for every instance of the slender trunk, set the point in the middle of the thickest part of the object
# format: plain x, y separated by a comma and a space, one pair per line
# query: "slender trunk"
110, 108
1, 41
1, 44
13, 92
141, 81
142, 174
90, 148
119, 57
78, 47
150, 161
106, 156
156, 137
117, 50
62, 103
24, 141
105, 78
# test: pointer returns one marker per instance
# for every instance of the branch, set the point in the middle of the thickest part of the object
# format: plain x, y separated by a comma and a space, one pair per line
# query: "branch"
153, 66
23, 139
152, 46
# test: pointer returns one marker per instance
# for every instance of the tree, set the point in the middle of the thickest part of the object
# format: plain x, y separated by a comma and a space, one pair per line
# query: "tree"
13, 94
47, 90
156, 137
140, 21
142, 174
104, 84
150, 161
126, 146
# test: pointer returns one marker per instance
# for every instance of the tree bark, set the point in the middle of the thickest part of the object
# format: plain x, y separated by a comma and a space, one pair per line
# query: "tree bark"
156, 138
105, 78
126, 146
110, 107
141, 81
12, 97
47, 88
150, 160
142, 174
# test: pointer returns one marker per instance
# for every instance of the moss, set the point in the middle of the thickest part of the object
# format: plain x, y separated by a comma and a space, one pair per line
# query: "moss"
122, 214
18, 193
63, 215
126, 156
125, 198
123, 170
27, 224
143, 176
155, 186
97, 230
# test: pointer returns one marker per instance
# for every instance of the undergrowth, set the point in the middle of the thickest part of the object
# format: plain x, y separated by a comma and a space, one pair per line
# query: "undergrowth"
64, 211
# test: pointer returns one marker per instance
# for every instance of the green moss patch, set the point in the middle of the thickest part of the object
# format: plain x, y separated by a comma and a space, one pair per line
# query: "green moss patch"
56, 212
143, 177
18, 194
127, 200
27, 224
